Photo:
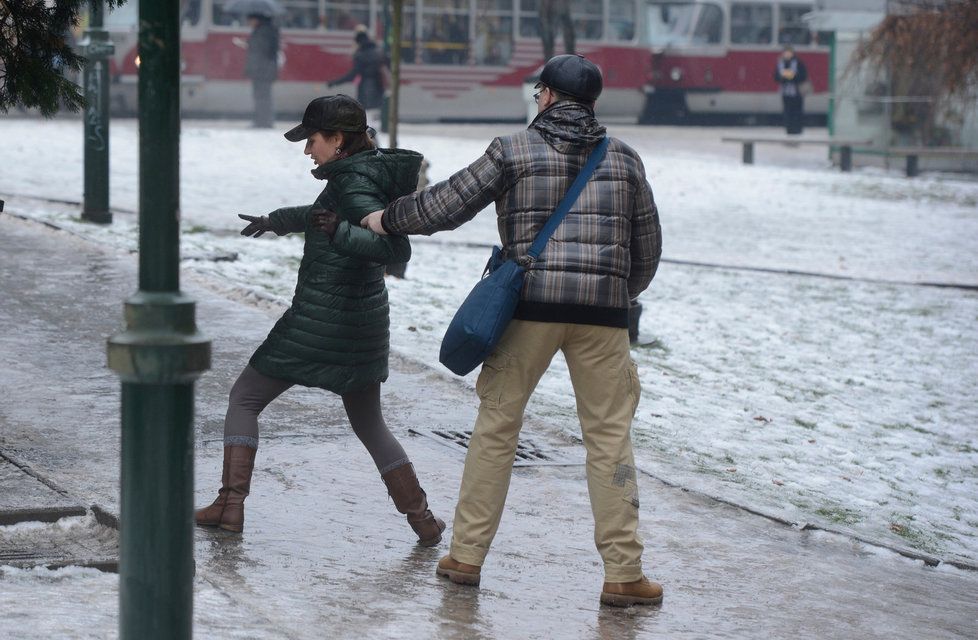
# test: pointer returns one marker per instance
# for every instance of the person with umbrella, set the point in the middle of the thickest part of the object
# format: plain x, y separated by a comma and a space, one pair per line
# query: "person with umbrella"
261, 61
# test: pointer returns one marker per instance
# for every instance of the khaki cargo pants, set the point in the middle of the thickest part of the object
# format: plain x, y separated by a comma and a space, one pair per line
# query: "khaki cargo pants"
607, 391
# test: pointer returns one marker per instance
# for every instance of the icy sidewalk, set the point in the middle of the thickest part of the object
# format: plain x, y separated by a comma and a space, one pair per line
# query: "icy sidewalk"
838, 402
324, 554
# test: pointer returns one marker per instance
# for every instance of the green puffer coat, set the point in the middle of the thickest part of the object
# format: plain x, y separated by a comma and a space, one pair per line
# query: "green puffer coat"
336, 333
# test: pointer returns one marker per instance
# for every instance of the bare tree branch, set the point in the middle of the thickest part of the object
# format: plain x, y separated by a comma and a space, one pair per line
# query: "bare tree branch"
924, 48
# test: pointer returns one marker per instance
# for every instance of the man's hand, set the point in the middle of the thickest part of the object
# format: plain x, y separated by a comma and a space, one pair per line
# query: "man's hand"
257, 225
325, 221
372, 221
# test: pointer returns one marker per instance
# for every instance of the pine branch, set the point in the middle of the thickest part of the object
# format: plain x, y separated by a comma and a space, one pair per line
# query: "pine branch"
36, 57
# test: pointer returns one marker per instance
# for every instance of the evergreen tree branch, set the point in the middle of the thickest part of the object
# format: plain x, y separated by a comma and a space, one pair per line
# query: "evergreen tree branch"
36, 57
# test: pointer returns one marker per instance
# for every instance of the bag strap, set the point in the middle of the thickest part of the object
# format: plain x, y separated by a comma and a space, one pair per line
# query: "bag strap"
597, 155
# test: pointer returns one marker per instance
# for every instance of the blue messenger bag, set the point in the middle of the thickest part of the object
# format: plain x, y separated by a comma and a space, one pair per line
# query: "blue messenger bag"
481, 320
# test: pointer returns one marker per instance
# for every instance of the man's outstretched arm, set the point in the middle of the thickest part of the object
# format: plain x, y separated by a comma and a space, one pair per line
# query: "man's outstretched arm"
445, 205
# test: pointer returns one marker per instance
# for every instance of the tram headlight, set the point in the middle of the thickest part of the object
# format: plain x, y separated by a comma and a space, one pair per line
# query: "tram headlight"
676, 74
137, 61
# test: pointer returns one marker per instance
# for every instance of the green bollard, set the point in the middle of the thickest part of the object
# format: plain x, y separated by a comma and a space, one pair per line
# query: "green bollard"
158, 358
96, 48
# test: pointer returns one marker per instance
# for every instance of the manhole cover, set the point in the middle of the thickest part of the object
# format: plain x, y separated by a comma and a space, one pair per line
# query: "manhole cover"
17, 557
44, 527
528, 453
76, 542
24, 497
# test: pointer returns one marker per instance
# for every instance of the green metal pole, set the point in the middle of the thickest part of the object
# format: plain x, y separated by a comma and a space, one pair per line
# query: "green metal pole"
393, 103
832, 84
96, 48
158, 358
385, 105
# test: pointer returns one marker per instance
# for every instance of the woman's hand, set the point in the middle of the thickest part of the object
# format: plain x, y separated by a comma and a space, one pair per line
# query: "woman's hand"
325, 221
257, 225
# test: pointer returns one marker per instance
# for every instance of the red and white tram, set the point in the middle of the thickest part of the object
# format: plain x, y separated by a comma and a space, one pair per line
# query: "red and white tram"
715, 59
467, 59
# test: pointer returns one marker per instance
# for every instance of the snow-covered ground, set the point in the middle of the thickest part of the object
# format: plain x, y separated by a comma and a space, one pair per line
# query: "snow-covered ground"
846, 400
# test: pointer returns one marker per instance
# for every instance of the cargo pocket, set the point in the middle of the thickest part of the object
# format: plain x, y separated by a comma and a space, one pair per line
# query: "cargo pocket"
489, 385
625, 478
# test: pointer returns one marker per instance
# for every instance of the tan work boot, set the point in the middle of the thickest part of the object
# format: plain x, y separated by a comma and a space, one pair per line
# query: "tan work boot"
459, 572
227, 512
410, 499
625, 594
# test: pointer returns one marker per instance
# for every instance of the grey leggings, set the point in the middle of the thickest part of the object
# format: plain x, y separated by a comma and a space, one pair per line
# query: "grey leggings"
252, 392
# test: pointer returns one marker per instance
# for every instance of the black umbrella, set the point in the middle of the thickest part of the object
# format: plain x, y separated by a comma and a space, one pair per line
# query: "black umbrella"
267, 8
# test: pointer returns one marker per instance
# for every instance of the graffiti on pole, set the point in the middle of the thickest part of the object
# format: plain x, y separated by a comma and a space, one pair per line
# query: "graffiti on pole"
93, 114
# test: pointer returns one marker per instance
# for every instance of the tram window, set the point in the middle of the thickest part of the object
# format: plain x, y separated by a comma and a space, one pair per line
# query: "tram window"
445, 31
791, 28
408, 35
300, 14
588, 16
493, 42
346, 16
529, 19
621, 20
751, 23
124, 15
709, 25
189, 12
503, 6
669, 22
224, 18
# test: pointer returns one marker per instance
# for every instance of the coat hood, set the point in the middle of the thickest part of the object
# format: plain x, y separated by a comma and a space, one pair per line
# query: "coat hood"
569, 127
393, 171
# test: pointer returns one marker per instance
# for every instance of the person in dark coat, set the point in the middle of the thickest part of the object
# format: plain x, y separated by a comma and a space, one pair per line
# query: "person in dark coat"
791, 73
335, 335
370, 66
575, 299
261, 65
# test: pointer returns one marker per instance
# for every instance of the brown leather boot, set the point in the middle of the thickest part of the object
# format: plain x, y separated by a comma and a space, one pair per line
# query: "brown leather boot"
459, 572
227, 512
211, 516
624, 594
410, 499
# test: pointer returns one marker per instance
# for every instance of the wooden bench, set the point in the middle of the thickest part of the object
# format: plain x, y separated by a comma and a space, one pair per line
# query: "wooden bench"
913, 154
845, 146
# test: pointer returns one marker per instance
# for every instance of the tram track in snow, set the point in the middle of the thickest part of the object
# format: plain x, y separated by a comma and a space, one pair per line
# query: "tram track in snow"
960, 286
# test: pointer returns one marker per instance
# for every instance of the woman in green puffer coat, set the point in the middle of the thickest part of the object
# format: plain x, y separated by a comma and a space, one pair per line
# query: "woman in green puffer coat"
336, 333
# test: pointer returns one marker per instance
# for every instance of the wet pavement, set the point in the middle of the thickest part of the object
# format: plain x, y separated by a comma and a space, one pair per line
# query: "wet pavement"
324, 554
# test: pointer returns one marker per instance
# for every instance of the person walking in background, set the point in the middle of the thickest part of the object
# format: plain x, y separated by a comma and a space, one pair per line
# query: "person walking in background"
261, 66
555, 17
371, 67
791, 74
335, 335
575, 299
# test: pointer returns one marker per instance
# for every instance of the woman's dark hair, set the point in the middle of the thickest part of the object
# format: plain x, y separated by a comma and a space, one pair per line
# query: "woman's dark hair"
353, 142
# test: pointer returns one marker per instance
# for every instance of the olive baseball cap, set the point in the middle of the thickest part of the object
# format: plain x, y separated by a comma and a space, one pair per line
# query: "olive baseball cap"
329, 113
573, 75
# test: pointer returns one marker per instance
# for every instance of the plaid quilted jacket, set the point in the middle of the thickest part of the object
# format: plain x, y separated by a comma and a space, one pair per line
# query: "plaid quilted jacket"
602, 255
